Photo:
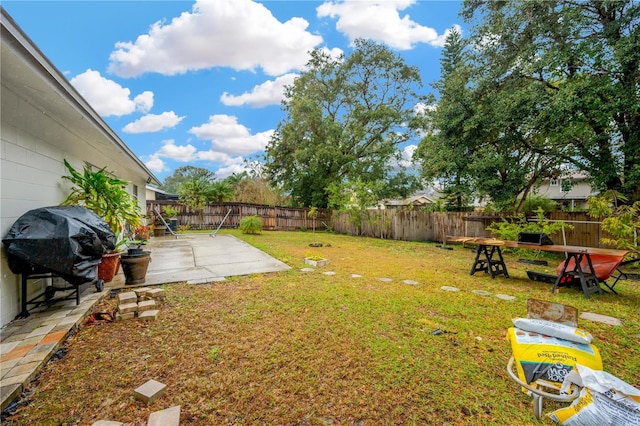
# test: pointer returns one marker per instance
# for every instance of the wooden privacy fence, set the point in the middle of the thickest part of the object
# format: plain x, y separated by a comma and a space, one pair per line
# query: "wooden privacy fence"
414, 225
273, 217
407, 225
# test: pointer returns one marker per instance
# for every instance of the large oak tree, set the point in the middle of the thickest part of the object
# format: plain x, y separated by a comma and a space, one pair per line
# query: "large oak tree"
345, 121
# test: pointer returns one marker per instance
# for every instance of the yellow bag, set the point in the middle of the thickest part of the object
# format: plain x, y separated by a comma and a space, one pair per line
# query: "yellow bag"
549, 358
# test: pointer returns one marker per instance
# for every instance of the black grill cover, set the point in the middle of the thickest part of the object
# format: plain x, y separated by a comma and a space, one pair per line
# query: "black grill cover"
66, 240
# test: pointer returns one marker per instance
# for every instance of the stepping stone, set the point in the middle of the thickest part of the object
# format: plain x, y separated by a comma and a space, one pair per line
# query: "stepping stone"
150, 391
128, 315
127, 308
146, 305
307, 269
157, 293
411, 282
448, 288
385, 280
142, 291
329, 273
127, 297
482, 292
106, 423
600, 318
149, 315
167, 417
356, 276
505, 297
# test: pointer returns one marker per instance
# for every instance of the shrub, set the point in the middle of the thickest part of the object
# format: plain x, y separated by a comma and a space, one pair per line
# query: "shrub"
251, 225
535, 202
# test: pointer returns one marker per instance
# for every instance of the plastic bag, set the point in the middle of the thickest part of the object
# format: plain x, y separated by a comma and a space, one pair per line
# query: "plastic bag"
545, 357
604, 400
554, 329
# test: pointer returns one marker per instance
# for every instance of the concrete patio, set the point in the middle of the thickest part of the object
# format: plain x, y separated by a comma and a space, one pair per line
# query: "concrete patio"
26, 345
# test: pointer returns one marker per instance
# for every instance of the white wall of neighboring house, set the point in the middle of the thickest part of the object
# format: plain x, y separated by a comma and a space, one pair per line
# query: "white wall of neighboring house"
570, 192
44, 121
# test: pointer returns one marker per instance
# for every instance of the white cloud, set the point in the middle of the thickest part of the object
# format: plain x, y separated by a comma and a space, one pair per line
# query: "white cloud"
218, 157
183, 153
379, 20
229, 137
225, 172
153, 123
108, 97
189, 154
268, 93
155, 164
144, 102
241, 34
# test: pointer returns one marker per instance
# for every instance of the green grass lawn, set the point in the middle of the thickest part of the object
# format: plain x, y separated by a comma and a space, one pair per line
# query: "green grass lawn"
305, 348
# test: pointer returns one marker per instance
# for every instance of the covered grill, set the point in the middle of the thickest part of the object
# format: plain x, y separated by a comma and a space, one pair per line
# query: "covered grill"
60, 241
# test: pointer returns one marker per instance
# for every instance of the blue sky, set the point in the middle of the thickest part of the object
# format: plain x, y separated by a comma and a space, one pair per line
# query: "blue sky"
200, 82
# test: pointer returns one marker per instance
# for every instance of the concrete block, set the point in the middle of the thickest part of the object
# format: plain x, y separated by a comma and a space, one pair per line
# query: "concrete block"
146, 305
167, 417
157, 293
127, 297
149, 315
106, 423
141, 291
150, 391
129, 315
128, 307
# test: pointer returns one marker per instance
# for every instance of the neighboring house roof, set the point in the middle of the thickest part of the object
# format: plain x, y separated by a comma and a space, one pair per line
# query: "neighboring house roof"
416, 200
162, 195
26, 70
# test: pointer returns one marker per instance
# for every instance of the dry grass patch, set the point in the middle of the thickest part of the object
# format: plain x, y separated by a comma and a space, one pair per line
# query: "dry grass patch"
298, 348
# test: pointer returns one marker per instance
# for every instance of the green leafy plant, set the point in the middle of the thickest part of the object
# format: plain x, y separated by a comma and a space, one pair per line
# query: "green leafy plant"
214, 353
621, 221
251, 225
170, 211
312, 255
535, 202
509, 229
106, 196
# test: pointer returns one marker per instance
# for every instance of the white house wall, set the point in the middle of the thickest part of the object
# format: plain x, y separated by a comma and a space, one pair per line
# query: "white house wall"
44, 121
31, 171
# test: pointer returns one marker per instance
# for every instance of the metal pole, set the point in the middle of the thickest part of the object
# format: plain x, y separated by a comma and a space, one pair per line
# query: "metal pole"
213, 234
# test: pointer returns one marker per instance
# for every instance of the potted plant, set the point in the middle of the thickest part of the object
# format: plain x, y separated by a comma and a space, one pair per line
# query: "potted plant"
106, 196
135, 262
315, 259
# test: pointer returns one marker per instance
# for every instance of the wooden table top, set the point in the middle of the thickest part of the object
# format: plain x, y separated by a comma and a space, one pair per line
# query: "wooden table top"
556, 248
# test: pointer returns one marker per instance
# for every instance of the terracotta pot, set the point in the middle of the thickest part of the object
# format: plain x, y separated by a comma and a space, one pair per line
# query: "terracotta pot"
134, 267
159, 231
108, 266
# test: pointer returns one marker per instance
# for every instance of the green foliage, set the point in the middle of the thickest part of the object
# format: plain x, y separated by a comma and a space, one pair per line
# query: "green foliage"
355, 198
195, 194
622, 221
561, 79
345, 121
106, 196
170, 212
220, 191
509, 229
184, 174
536, 202
251, 225
214, 353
